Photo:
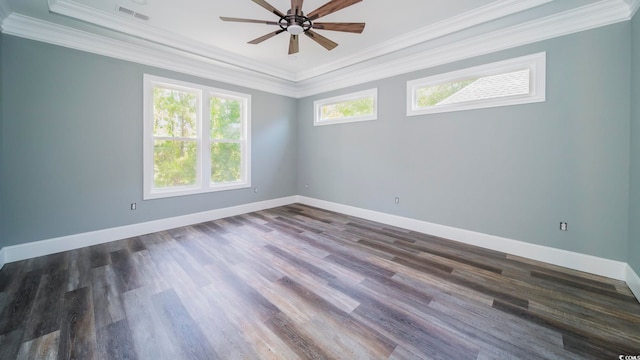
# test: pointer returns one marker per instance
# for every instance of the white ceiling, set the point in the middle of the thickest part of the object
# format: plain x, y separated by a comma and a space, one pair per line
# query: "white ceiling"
396, 31
197, 21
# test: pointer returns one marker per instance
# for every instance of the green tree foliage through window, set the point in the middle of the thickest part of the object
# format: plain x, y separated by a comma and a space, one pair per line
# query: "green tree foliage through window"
347, 109
226, 133
175, 137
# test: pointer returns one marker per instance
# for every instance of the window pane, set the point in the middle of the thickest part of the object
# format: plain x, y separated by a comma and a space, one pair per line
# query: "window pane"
347, 109
226, 119
174, 163
225, 162
473, 89
174, 113
433, 95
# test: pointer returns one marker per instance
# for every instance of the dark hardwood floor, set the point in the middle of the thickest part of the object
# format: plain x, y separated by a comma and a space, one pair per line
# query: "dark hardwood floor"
297, 282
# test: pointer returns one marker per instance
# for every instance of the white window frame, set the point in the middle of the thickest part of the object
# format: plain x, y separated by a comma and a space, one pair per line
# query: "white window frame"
536, 63
203, 177
318, 104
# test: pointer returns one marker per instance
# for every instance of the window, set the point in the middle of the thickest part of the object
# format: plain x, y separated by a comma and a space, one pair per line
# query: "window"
359, 106
196, 138
510, 82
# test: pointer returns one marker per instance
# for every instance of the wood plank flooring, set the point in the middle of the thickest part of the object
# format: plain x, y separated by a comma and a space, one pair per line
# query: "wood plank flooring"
297, 282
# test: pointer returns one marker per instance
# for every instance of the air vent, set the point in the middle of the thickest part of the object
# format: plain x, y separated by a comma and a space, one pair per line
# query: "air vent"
126, 11
141, 16
130, 12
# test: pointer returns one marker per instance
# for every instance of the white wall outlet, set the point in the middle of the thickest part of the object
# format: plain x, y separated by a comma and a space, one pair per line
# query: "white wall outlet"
563, 226
133, 206
255, 189
397, 200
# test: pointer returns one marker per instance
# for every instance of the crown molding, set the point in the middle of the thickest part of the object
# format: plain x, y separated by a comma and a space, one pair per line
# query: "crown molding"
591, 16
601, 13
634, 5
157, 35
5, 11
166, 58
487, 13
495, 10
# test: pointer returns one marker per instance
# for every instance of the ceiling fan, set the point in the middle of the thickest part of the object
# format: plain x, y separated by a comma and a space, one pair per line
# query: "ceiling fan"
295, 22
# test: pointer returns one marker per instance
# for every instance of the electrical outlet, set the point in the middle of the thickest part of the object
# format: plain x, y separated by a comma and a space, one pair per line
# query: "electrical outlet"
397, 200
133, 206
255, 189
563, 226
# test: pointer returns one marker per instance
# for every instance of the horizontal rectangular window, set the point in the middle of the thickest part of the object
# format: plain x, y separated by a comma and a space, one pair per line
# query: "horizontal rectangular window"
358, 106
510, 82
196, 138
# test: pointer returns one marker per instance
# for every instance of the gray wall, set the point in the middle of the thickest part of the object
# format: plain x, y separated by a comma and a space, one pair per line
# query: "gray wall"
513, 171
71, 150
72, 137
634, 208
1, 149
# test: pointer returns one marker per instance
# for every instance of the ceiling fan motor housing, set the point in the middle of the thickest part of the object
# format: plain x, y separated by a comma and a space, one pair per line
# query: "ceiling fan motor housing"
295, 24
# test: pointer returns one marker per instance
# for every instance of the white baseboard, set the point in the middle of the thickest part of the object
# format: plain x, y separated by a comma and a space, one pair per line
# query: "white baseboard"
633, 281
592, 264
51, 246
2, 258
582, 262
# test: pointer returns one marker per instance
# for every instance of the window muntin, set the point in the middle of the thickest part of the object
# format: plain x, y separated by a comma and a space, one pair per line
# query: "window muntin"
358, 106
193, 145
510, 82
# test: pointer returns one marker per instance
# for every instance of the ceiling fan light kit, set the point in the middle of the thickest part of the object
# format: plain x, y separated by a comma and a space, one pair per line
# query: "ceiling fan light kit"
295, 29
296, 23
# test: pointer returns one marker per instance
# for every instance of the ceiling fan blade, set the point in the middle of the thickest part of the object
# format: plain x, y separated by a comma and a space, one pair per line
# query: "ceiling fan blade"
330, 7
296, 6
294, 44
328, 44
224, 18
265, 37
269, 7
346, 27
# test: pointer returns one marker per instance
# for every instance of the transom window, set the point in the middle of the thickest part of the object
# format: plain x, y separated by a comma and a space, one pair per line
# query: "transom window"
196, 138
510, 82
358, 106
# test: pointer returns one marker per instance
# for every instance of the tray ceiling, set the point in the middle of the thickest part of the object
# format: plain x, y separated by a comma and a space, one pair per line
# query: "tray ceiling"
394, 30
